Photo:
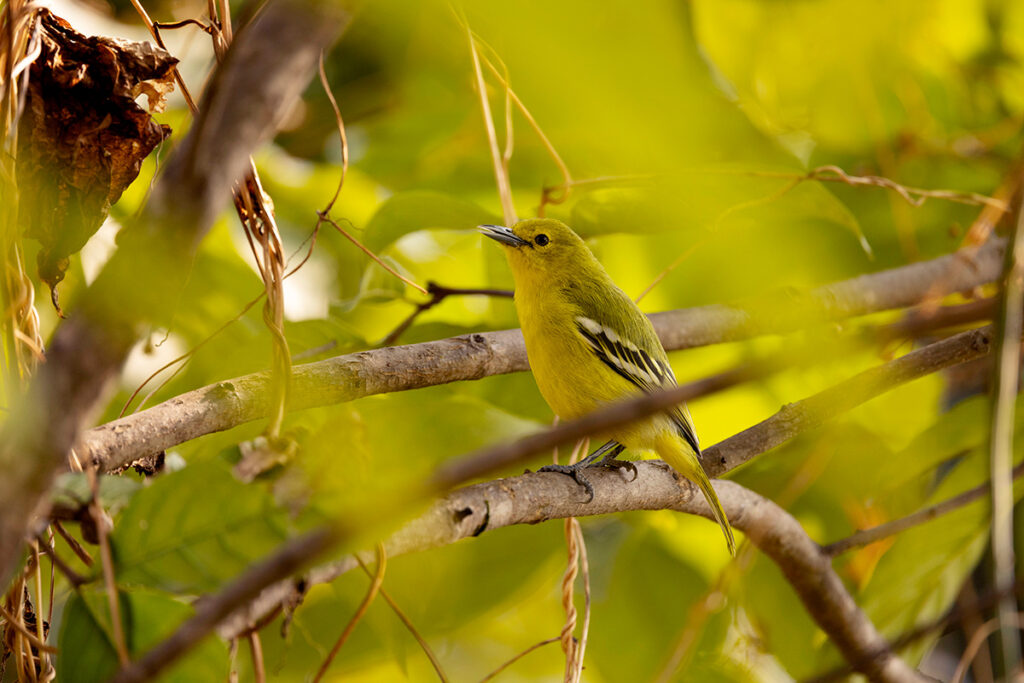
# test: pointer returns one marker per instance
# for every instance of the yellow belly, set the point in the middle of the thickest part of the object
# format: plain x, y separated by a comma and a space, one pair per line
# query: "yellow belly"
574, 382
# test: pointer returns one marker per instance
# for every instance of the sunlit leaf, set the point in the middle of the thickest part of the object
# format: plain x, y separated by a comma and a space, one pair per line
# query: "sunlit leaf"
87, 650
195, 528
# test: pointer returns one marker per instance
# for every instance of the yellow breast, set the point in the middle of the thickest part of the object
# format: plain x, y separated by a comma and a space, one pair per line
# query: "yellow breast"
570, 377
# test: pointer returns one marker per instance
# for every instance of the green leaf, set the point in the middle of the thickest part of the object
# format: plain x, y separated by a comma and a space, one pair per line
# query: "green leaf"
709, 199
194, 529
641, 612
411, 211
444, 592
919, 577
371, 449
87, 652
956, 432
72, 489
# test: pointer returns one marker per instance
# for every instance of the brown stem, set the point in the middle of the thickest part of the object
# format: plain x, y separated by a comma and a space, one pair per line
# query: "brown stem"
375, 581
877, 533
438, 293
263, 75
1005, 380
954, 616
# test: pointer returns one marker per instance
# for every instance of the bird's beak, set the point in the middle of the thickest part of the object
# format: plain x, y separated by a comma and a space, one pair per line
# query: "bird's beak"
502, 234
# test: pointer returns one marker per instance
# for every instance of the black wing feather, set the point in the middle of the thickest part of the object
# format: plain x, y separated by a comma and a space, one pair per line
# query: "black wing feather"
638, 367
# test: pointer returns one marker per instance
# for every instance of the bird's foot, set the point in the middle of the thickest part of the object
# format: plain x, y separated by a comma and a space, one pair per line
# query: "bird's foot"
621, 464
661, 464
576, 471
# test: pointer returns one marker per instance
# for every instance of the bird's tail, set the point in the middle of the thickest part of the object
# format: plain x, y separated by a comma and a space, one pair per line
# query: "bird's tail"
682, 458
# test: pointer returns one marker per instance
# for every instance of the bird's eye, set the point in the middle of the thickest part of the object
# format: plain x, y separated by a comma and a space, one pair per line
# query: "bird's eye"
541, 240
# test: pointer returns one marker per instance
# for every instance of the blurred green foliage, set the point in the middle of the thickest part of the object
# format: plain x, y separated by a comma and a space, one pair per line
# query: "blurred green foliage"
695, 117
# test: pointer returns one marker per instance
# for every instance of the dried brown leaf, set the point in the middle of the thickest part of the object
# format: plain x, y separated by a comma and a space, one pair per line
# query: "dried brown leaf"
83, 137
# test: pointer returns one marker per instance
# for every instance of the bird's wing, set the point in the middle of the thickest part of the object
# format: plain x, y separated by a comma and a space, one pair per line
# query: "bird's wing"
635, 354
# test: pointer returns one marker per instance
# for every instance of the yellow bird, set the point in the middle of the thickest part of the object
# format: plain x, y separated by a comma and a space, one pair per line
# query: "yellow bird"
590, 345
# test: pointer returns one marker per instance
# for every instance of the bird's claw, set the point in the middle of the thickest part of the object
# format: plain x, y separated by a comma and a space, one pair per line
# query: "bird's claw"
621, 464
576, 472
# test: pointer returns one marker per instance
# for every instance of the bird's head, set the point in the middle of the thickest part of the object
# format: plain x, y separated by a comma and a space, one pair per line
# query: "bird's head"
541, 246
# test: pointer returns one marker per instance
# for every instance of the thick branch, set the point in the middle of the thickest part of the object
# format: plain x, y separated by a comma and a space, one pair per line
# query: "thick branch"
440, 525
534, 498
729, 454
232, 402
262, 77
516, 502
798, 417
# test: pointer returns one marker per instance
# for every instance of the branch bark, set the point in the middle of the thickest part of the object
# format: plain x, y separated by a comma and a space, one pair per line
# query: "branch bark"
227, 404
446, 521
539, 497
261, 78
792, 419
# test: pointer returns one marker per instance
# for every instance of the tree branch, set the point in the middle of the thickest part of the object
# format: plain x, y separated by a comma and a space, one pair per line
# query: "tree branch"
227, 404
729, 454
443, 522
261, 78
538, 497
797, 417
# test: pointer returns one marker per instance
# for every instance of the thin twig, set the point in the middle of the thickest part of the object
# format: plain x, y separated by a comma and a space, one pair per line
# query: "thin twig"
256, 651
567, 180
73, 577
439, 293
49, 545
376, 259
914, 196
575, 549
1005, 379
99, 518
519, 656
44, 662
982, 665
171, 25
896, 526
322, 72
75, 546
679, 260
434, 661
501, 178
979, 637
155, 32
581, 644
371, 593
184, 357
